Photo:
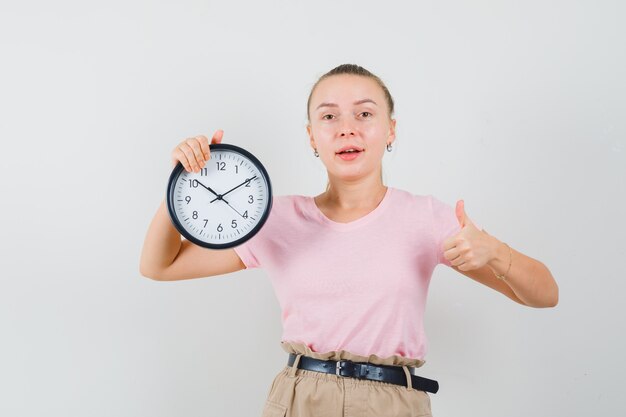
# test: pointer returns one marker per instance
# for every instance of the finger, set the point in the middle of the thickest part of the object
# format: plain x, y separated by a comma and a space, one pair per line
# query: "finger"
460, 212
449, 243
204, 145
180, 156
191, 157
194, 143
451, 254
217, 137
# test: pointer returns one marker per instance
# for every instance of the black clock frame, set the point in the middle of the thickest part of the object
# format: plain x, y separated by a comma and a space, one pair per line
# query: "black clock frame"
170, 200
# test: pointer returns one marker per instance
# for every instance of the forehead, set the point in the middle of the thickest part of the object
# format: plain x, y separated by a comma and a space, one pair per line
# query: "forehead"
346, 88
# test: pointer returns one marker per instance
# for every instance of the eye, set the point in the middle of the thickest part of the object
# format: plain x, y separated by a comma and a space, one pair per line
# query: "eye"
366, 113
324, 116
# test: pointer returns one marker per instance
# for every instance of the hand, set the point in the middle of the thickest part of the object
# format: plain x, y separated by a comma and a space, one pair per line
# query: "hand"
471, 248
194, 152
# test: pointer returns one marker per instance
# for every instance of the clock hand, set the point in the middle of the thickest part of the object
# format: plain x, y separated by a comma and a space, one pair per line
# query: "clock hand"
218, 197
234, 188
232, 208
221, 197
208, 188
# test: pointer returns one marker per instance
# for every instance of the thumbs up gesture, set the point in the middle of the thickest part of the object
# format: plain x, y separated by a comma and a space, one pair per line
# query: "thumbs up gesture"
471, 248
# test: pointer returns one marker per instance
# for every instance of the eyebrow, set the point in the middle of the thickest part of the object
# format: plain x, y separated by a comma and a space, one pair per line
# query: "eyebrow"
365, 100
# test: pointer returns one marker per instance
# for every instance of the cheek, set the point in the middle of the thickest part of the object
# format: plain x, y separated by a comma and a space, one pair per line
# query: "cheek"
375, 134
374, 126
323, 132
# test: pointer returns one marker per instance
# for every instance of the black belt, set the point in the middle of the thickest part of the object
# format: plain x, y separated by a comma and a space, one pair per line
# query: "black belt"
364, 370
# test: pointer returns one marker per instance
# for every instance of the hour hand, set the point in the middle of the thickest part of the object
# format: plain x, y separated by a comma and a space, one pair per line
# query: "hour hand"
208, 188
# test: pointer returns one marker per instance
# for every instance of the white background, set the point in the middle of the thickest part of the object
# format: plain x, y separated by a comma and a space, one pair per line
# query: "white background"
516, 107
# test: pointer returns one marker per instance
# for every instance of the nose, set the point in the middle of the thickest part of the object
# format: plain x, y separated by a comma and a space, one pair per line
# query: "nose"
346, 129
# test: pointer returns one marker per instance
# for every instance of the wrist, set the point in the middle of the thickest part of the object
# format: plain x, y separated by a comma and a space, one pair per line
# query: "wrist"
500, 261
499, 253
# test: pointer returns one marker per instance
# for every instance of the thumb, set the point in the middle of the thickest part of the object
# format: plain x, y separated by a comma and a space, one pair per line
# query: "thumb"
464, 220
460, 212
217, 137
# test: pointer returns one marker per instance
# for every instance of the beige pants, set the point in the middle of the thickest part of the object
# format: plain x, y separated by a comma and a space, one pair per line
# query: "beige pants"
303, 393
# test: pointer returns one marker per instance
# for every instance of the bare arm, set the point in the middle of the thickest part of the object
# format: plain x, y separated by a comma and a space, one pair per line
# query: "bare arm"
474, 252
166, 258
485, 276
528, 282
529, 278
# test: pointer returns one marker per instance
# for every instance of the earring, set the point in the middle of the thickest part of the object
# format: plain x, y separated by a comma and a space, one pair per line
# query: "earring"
389, 147
316, 154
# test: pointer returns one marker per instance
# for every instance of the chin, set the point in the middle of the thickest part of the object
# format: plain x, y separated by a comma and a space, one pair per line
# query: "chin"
350, 174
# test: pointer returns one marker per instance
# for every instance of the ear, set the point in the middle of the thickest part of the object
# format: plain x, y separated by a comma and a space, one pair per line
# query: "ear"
310, 133
392, 130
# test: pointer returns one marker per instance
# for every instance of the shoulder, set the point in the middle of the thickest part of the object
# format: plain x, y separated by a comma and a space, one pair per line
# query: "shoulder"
287, 201
429, 205
405, 198
289, 205
439, 205
420, 198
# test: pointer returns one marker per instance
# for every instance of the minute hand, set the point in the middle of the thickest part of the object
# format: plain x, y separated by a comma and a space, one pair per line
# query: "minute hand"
234, 188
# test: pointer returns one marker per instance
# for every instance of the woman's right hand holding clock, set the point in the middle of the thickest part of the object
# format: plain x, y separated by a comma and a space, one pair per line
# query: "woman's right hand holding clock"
194, 152
164, 256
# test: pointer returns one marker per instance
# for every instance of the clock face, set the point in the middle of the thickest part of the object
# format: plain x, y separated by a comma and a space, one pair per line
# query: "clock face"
224, 204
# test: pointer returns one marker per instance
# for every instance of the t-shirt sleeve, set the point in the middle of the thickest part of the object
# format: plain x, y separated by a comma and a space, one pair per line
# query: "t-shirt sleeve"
254, 251
445, 225
246, 251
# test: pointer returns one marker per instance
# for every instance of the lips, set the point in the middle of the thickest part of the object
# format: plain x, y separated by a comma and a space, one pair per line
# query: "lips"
349, 156
347, 147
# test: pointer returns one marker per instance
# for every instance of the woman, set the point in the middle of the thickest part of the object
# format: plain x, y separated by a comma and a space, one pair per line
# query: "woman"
351, 266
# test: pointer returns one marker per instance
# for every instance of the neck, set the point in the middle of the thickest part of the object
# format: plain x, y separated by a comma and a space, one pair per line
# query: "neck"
348, 195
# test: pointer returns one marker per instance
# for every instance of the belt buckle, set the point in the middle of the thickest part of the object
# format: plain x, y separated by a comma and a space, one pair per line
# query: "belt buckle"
338, 368
359, 370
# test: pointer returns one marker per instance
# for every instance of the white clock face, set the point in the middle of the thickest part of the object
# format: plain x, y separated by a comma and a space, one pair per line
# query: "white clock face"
224, 202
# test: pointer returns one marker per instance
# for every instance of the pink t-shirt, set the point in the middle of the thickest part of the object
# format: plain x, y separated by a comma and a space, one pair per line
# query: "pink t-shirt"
359, 286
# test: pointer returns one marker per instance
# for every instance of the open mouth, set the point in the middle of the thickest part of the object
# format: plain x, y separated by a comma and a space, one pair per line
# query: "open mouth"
349, 155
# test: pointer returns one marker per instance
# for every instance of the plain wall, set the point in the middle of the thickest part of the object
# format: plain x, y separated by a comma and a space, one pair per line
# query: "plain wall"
516, 107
